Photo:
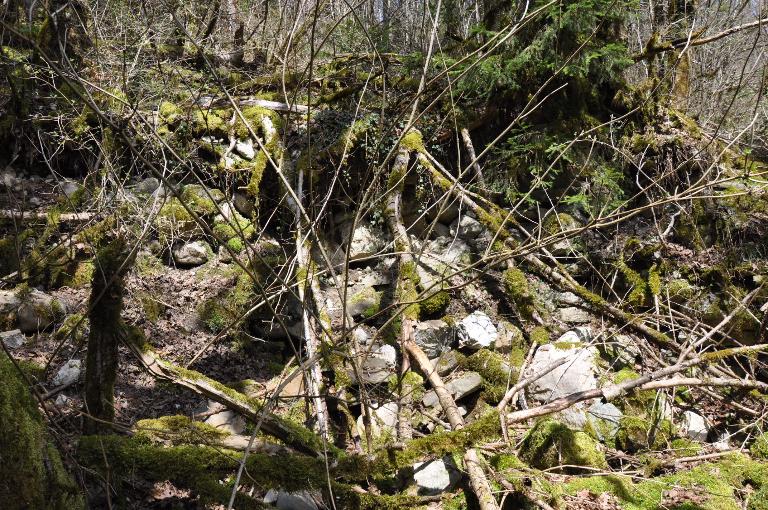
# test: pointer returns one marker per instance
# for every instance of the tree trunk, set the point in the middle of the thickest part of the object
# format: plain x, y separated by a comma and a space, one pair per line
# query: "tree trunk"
105, 305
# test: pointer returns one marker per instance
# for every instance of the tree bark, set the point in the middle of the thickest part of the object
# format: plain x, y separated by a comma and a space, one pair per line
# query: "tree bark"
113, 262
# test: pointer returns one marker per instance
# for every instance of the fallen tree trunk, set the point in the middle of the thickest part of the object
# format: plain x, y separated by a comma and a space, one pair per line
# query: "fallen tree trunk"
293, 435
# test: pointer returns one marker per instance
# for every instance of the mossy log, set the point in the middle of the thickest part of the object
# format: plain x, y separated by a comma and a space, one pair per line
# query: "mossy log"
31, 472
201, 469
293, 435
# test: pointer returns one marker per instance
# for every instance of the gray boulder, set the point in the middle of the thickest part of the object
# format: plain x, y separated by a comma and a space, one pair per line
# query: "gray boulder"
466, 227
435, 337
146, 186
604, 419
300, 500
620, 351
383, 420
245, 149
13, 339
243, 203
446, 363
37, 311
694, 426
577, 374
440, 259
227, 421
477, 331
366, 241
509, 337
376, 364
363, 301
574, 315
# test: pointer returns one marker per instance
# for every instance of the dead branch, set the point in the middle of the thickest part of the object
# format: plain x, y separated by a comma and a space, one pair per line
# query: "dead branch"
654, 48
10, 214
405, 290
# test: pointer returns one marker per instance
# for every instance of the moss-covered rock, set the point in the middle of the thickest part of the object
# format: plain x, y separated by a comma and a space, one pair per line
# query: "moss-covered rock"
551, 444
637, 434
174, 221
496, 372
435, 305
225, 308
235, 231
201, 199
31, 472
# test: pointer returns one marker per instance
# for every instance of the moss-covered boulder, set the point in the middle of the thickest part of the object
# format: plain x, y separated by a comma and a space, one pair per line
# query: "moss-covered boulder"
31, 472
637, 434
30, 310
551, 444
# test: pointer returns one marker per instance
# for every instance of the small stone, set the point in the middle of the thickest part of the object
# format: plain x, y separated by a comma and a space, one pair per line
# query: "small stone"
459, 387
147, 186
723, 442
191, 254
361, 336
604, 419
694, 426
620, 351
225, 257
69, 188
509, 337
383, 419
446, 211
68, 374
227, 421
366, 241
466, 228
245, 149
302, 500
435, 477
578, 335
434, 337
446, 363
440, 230
477, 331
363, 301
574, 315
243, 203
377, 365
568, 298
8, 180
13, 339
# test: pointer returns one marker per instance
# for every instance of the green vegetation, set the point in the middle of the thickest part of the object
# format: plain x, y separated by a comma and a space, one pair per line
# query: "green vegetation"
551, 444
32, 472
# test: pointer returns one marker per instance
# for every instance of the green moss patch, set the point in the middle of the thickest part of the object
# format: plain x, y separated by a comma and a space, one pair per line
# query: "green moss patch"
31, 474
550, 444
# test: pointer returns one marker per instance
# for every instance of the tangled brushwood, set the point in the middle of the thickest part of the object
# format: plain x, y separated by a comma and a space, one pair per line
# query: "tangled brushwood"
383, 255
